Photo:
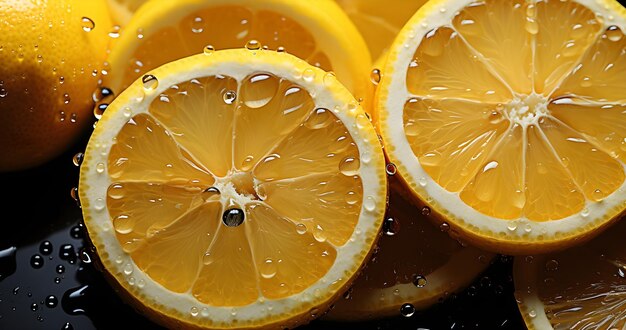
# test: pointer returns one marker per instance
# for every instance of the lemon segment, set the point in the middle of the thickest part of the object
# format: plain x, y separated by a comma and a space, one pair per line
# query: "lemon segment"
241, 188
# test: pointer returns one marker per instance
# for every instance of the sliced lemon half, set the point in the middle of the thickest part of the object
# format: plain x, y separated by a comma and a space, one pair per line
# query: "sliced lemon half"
162, 30
233, 189
507, 118
580, 288
415, 263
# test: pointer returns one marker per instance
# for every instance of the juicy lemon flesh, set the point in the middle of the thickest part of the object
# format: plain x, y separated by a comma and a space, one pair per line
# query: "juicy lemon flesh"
222, 27
585, 287
407, 232
259, 148
524, 119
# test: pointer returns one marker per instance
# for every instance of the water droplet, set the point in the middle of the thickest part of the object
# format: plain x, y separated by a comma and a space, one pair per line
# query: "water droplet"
229, 97
194, 311
585, 212
422, 181
3, 92
99, 204
36, 261
597, 195
319, 234
320, 118
150, 82
233, 217
444, 227
99, 110
128, 269
512, 226
614, 33
77, 231
349, 166
52, 301
375, 76
407, 310
532, 313
253, 45
531, 26
268, 268
425, 211
60, 269
45, 248
308, 75
391, 226
369, 204
301, 228
197, 25
209, 49
100, 168
419, 281
66, 98
34, 307
85, 257
67, 326
73, 117
67, 252
352, 197
391, 169
87, 24
552, 265
75, 300
115, 32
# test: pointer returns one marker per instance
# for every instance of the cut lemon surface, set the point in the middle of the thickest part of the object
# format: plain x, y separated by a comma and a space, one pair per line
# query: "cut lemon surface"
507, 118
580, 288
416, 263
233, 189
379, 21
318, 32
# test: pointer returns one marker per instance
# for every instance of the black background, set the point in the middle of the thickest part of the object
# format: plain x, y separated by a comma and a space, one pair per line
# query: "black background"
36, 206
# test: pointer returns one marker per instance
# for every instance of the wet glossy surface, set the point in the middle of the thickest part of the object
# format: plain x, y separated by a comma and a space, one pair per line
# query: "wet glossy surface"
39, 209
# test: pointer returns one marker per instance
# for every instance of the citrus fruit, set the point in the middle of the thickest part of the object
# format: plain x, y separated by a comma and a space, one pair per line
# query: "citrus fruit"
379, 21
580, 288
318, 32
123, 10
51, 54
234, 189
506, 118
416, 264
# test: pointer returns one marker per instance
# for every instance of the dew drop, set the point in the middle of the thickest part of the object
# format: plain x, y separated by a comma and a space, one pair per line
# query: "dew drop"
3, 92
77, 159
99, 204
532, 313
100, 168
98, 111
512, 226
425, 211
407, 310
197, 25
66, 98
301, 228
253, 45
597, 195
194, 311
115, 32
51, 301
45, 248
209, 49
614, 33
34, 307
375, 76
60, 269
369, 203
422, 181
352, 197
87, 24
67, 326
391, 169
233, 217
585, 212
320, 118
36, 261
150, 82
419, 281
444, 227
308, 75
229, 97
531, 26
349, 166
552, 265
391, 226
268, 268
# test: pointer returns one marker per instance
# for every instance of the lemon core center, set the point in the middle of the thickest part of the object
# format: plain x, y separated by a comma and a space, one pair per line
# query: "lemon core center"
527, 109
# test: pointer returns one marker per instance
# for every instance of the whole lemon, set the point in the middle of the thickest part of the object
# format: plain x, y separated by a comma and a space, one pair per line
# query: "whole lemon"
52, 53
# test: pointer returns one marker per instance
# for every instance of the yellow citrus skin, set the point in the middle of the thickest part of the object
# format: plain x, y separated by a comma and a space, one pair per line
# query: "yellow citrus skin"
52, 53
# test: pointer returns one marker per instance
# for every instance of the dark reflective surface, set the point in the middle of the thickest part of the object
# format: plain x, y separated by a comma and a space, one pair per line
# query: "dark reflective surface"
47, 279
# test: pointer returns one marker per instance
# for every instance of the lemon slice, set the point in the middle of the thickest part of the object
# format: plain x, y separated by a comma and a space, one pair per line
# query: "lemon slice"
123, 10
233, 189
318, 32
379, 21
507, 118
580, 288
416, 263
